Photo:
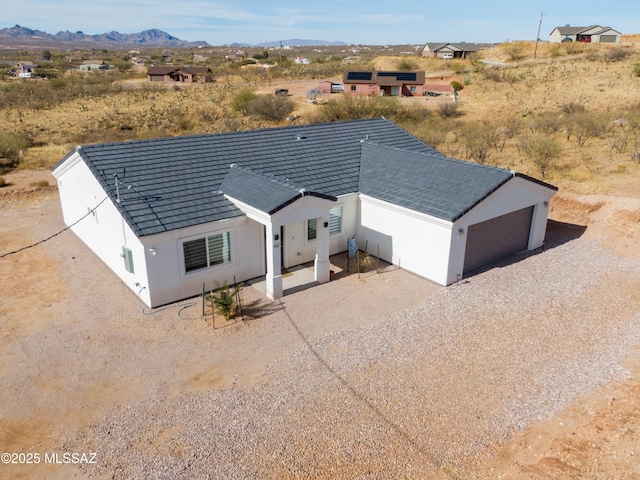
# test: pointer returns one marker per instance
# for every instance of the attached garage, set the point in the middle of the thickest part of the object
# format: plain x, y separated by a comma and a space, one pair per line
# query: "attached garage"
496, 238
608, 38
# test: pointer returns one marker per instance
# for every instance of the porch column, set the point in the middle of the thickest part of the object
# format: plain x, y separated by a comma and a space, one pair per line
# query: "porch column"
322, 264
274, 252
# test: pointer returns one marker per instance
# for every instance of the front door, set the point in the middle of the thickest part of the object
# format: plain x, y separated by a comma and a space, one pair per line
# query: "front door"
395, 91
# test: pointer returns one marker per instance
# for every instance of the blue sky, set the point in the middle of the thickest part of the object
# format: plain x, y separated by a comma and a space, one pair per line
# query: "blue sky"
374, 22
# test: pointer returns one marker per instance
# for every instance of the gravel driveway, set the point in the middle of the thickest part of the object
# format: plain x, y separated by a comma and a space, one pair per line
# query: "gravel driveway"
389, 376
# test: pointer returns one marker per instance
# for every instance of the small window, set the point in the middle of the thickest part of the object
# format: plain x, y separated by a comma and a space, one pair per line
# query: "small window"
312, 230
335, 220
413, 89
207, 252
353, 88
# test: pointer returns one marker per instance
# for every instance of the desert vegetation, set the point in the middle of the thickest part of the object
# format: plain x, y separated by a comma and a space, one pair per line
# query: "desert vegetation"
570, 116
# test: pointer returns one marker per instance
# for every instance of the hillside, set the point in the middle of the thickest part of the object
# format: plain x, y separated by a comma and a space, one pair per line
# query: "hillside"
19, 36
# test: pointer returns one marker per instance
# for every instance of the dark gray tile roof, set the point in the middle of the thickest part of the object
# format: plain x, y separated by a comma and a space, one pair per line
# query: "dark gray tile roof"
172, 183
435, 185
265, 192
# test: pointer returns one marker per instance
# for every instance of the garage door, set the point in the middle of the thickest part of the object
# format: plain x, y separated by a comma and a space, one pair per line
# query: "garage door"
608, 38
496, 238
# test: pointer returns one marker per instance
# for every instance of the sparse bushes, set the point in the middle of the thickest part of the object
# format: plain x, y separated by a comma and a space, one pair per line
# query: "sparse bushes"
448, 110
584, 126
615, 55
636, 70
270, 107
12, 148
3, 182
406, 65
514, 50
478, 139
241, 100
351, 107
542, 150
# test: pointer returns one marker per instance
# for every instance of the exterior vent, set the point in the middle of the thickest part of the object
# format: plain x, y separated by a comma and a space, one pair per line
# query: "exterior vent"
127, 254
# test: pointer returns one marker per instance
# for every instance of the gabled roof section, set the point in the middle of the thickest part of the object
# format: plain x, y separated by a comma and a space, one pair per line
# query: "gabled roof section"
172, 183
569, 30
263, 192
462, 47
435, 185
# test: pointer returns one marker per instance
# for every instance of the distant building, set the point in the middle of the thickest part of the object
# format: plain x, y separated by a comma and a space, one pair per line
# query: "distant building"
591, 34
406, 84
449, 50
179, 74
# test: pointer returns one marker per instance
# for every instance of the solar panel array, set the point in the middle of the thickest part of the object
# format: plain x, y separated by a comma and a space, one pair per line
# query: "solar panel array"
359, 75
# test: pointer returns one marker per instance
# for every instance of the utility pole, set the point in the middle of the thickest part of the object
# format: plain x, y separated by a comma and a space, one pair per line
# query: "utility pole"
535, 51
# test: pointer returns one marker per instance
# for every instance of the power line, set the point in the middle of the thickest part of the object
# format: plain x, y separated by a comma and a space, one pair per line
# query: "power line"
57, 233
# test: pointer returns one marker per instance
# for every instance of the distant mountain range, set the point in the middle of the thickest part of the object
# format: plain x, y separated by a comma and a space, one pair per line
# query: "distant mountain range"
19, 36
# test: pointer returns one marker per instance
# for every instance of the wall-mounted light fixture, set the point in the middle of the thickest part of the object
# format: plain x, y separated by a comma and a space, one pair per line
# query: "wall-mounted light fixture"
153, 251
326, 224
546, 204
276, 237
461, 231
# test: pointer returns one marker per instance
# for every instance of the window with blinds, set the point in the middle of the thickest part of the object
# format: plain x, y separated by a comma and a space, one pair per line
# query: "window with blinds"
207, 252
335, 224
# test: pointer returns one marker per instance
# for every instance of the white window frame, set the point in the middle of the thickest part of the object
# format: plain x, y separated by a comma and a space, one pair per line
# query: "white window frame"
206, 237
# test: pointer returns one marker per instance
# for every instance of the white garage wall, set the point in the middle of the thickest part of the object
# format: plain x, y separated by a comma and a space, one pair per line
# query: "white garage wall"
417, 242
103, 231
296, 248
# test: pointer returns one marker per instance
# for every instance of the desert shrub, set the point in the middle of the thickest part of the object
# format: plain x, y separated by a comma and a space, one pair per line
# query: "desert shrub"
432, 131
448, 110
546, 122
494, 74
12, 148
3, 182
572, 107
584, 126
542, 150
270, 107
514, 50
636, 70
39, 184
406, 65
634, 152
458, 67
615, 55
478, 139
351, 107
620, 131
457, 86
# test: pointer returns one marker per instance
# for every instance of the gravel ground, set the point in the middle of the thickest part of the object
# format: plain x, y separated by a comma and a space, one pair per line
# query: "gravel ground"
426, 392
389, 376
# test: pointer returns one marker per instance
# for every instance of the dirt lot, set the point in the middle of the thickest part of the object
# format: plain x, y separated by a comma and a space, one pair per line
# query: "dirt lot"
76, 347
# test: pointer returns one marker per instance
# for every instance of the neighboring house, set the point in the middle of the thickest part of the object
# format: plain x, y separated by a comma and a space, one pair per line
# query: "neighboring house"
24, 67
384, 83
591, 34
179, 74
302, 61
172, 215
93, 65
449, 50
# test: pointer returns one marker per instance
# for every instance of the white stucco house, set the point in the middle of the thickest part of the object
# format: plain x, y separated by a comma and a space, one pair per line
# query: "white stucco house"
171, 215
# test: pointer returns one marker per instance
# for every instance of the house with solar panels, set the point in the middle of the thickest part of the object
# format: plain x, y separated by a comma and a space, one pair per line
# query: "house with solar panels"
405, 84
171, 215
